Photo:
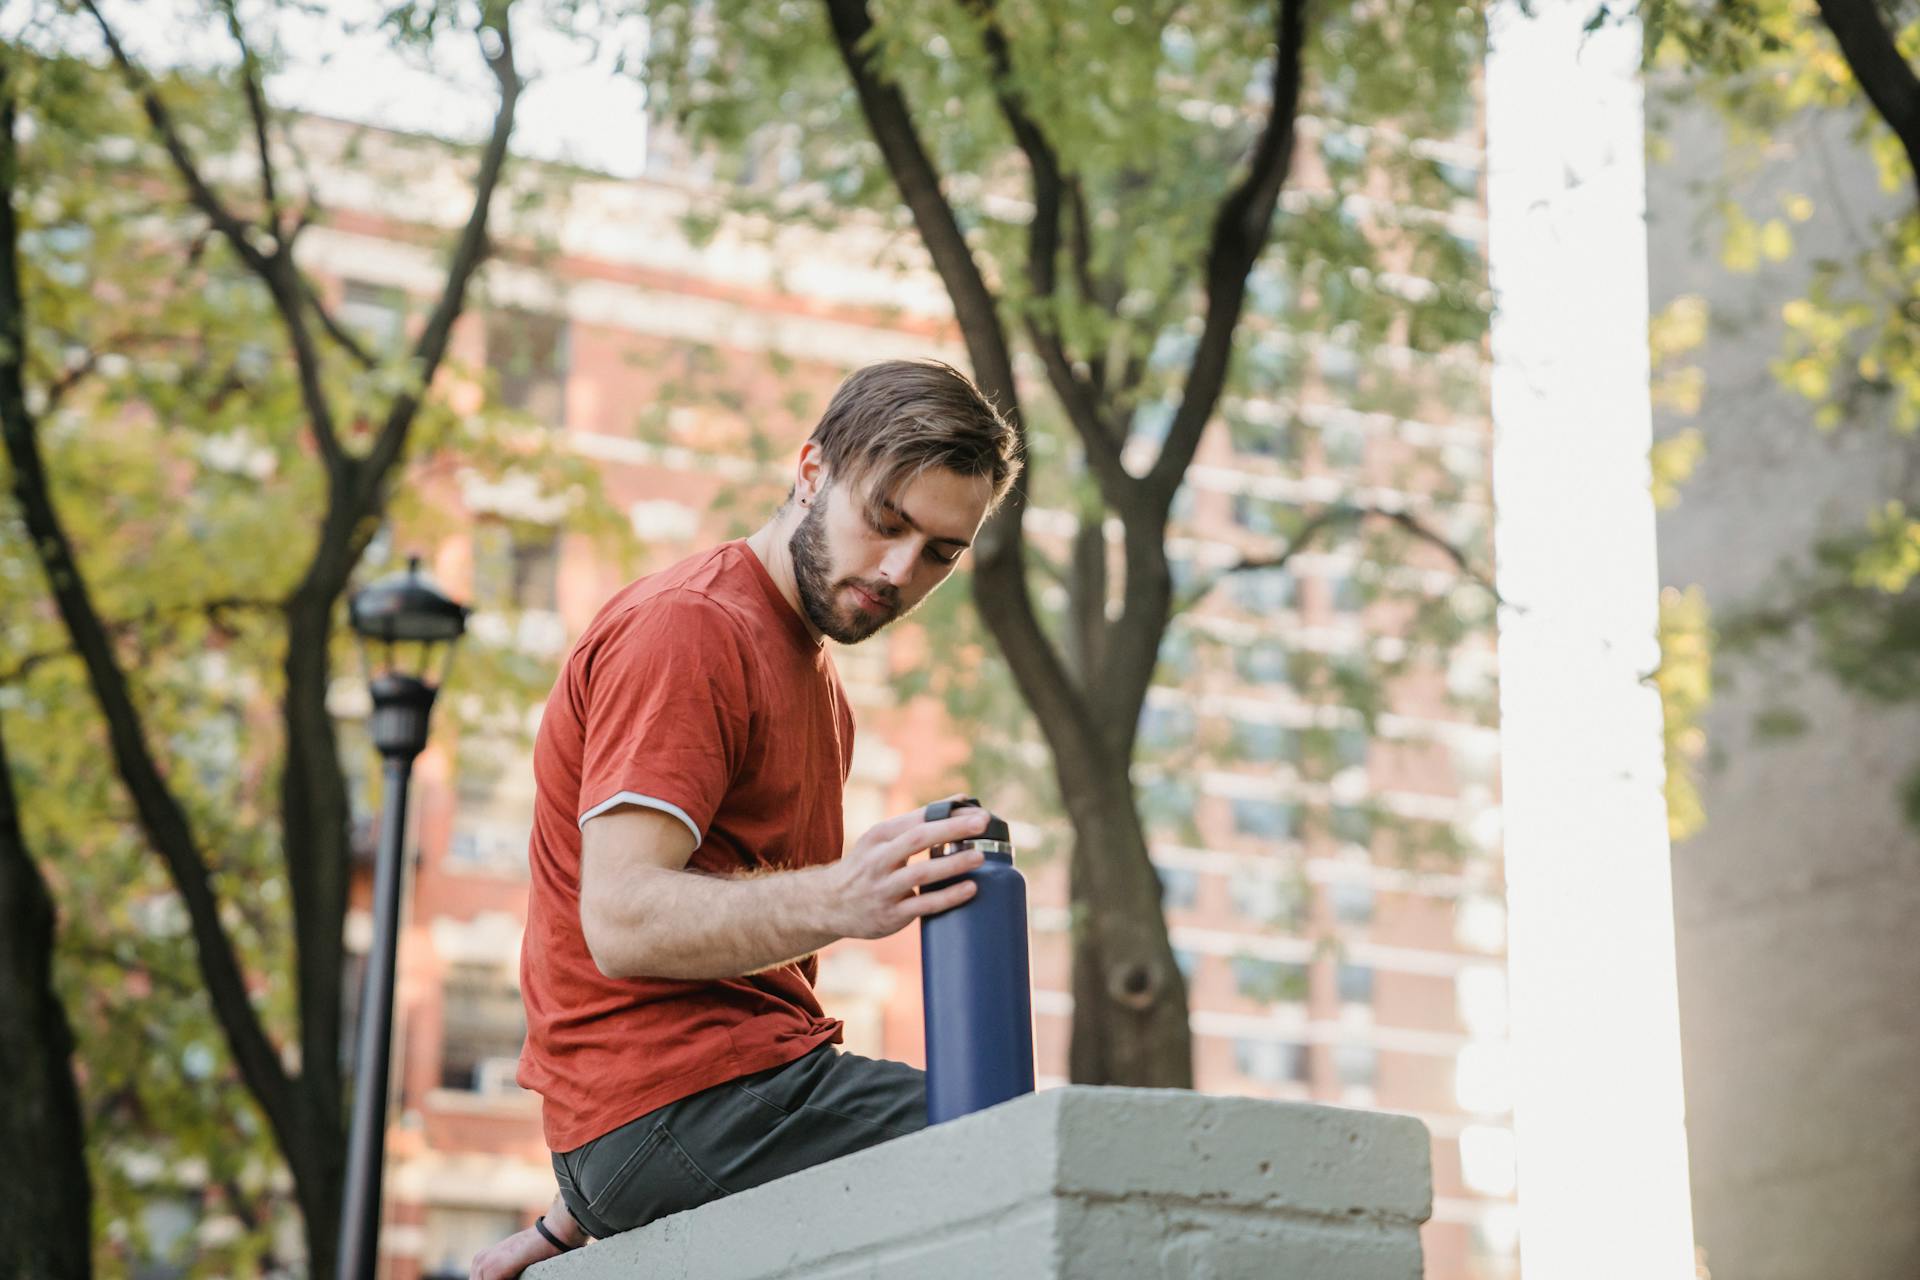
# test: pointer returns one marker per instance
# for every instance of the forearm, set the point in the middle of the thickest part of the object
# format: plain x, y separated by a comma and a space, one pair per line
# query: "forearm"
685, 924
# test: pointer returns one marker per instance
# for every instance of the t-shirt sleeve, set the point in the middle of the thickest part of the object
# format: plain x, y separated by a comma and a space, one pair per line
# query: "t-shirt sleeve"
667, 712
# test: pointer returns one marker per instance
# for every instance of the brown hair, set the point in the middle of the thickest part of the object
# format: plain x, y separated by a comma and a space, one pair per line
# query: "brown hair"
890, 421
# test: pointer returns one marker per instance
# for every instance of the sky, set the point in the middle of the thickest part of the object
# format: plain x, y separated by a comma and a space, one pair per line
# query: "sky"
579, 106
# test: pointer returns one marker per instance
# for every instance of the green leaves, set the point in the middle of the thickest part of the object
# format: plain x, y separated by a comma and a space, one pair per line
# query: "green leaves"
1685, 681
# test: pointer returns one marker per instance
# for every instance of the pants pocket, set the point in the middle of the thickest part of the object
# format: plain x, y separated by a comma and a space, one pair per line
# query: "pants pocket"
645, 1183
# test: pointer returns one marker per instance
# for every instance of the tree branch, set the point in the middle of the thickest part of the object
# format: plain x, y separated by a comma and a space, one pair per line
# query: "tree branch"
274, 269
341, 336
160, 813
1240, 229
468, 253
1000, 587
1050, 188
211, 608
257, 110
1329, 517
224, 220
1877, 64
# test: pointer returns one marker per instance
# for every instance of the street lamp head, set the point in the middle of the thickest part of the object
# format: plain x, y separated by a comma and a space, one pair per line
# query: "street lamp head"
405, 609
407, 606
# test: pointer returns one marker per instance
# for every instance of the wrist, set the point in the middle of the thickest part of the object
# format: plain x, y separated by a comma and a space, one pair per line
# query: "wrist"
821, 910
560, 1231
562, 1223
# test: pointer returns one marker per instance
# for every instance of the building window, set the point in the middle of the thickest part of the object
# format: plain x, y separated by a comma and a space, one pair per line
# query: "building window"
1166, 805
1179, 887
1267, 819
1344, 445
493, 805
516, 567
1349, 596
1177, 656
1358, 1065
1261, 515
1269, 898
1343, 148
1355, 983
1327, 751
482, 1028
1274, 1061
1462, 180
1262, 437
1164, 725
1339, 366
376, 314
1152, 421
1263, 742
1270, 364
1263, 662
528, 352
1352, 901
1263, 591
1269, 292
452, 1235
1350, 748
1269, 981
1350, 825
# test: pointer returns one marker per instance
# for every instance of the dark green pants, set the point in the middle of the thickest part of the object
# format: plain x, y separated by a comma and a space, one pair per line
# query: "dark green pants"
738, 1135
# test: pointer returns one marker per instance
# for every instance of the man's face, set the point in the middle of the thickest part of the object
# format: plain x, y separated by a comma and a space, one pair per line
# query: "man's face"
857, 571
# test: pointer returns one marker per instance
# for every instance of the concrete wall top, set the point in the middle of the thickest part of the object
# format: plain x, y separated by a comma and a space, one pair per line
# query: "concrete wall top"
1071, 1182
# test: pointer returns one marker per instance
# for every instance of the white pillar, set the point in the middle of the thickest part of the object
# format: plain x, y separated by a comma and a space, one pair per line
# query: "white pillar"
1599, 1119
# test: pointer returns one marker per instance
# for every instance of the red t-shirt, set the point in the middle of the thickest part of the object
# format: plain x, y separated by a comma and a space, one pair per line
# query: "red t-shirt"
697, 691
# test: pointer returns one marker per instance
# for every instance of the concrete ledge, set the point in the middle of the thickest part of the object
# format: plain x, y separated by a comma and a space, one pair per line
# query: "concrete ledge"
1080, 1183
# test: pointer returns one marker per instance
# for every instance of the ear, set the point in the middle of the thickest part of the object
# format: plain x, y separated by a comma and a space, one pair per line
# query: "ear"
810, 474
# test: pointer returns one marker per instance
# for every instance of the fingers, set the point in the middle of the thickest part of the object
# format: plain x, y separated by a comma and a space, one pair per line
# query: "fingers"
939, 900
933, 870
925, 835
908, 880
900, 823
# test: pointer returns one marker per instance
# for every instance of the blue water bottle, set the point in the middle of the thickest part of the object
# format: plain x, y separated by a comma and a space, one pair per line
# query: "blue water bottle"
976, 981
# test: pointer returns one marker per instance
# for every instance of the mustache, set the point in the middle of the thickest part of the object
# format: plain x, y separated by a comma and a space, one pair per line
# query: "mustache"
886, 593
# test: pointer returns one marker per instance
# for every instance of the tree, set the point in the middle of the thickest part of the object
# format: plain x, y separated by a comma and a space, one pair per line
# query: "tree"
1850, 346
1097, 189
180, 390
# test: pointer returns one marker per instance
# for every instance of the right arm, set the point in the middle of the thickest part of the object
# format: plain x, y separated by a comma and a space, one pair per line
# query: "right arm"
643, 914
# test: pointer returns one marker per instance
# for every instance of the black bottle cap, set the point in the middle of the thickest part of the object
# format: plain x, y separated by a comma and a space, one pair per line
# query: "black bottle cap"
996, 826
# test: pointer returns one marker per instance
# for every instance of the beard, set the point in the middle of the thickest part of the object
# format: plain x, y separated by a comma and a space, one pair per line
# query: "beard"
820, 591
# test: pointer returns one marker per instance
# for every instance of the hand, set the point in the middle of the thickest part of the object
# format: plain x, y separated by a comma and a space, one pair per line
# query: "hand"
511, 1256
874, 890
522, 1249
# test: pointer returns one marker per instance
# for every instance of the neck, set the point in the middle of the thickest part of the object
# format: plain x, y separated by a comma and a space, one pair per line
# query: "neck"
770, 543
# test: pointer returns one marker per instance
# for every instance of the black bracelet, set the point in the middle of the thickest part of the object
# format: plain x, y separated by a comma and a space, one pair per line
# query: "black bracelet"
540, 1225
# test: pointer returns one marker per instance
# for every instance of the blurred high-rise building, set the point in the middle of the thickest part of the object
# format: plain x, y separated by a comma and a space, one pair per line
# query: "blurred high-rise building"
1323, 962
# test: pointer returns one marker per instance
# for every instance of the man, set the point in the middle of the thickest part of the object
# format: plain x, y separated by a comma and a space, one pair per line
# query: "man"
687, 834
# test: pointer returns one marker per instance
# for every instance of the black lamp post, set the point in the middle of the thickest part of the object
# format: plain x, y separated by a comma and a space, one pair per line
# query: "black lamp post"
398, 613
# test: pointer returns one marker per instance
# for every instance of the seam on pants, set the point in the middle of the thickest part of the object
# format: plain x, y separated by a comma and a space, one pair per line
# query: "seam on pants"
866, 1120
625, 1171
759, 1098
668, 1140
577, 1203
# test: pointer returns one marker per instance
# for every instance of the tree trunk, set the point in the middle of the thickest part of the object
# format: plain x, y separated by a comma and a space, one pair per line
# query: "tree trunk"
1129, 997
316, 818
46, 1218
